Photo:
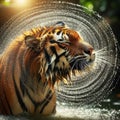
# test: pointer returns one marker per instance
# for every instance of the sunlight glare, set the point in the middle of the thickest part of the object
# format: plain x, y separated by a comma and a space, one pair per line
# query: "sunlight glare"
21, 2
7, 1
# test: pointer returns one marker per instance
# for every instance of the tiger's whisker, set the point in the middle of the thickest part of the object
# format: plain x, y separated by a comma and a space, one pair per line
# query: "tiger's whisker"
101, 50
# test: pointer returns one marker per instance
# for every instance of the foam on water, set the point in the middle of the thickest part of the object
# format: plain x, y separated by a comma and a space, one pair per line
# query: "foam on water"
71, 113
94, 84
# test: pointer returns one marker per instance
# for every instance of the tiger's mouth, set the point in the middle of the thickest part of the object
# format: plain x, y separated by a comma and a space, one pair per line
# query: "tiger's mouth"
81, 62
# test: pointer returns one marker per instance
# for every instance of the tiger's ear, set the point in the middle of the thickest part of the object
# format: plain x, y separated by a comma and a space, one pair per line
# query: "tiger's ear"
32, 42
61, 23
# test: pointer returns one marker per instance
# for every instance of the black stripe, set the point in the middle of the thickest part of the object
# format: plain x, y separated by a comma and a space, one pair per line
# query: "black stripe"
54, 79
3, 110
53, 41
39, 77
45, 84
34, 103
58, 33
54, 109
58, 57
26, 70
47, 100
22, 104
2, 107
60, 45
47, 56
53, 49
7, 103
46, 31
22, 84
3, 100
37, 104
49, 70
22, 76
24, 108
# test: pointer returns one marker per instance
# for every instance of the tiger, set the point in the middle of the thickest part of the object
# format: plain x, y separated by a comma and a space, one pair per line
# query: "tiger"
34, 62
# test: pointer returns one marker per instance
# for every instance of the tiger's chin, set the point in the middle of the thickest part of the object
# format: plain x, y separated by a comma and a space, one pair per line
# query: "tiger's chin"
76, 66
81, 65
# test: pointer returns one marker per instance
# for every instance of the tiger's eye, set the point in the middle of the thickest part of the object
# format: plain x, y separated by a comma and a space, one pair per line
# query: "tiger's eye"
52, 41
60, 39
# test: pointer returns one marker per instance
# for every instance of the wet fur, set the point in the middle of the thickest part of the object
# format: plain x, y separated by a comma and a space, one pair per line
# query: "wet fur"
31, 65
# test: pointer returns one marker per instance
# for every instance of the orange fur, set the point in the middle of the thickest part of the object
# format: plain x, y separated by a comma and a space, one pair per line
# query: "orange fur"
33, 63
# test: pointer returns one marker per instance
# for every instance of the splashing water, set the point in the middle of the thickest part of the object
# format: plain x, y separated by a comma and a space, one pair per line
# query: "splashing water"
68, 113
93, 85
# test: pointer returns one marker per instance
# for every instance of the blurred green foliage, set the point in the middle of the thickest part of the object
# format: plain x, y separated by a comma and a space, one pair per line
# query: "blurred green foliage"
109, 8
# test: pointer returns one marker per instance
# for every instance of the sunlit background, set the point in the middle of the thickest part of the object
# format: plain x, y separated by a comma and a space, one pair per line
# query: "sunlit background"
109, 9
15, 2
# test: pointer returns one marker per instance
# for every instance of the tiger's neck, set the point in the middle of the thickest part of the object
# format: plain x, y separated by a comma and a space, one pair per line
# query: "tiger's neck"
33, 82
27, 67
32, 74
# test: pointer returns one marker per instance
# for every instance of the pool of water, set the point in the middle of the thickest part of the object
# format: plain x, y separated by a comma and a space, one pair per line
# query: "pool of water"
109, 109
67, 113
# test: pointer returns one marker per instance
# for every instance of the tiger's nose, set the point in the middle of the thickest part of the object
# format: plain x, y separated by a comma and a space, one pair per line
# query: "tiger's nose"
87, 48
90, 55
88, 51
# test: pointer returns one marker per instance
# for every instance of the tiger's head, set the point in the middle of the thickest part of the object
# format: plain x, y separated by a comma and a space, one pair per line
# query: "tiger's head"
61, 50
